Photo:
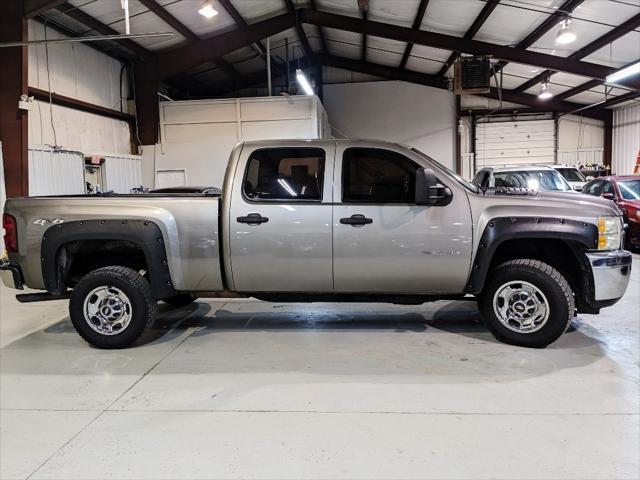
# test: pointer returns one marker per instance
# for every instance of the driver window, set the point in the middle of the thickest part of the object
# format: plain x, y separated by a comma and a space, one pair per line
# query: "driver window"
373, 175
608, 188
593, 188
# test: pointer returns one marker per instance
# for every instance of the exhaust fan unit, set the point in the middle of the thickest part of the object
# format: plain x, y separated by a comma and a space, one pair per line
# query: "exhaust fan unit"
472, 75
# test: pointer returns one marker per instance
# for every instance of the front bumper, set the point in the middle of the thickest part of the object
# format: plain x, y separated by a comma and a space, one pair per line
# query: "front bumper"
11, 275
611, 272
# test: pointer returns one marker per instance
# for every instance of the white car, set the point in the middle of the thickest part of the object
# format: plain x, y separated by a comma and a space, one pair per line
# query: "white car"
573, 176
534, 177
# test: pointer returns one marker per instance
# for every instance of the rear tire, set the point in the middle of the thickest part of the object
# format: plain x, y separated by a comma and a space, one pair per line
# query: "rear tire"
181, 300
527, 303
112, 306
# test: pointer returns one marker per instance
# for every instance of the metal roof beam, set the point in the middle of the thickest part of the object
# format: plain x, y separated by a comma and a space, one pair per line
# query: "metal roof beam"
436, 81
183, 30
417, 22
211, 49
550, 22
241, 22
33, 8
449, 42
301, 35
482, 17
86, 19
597, 44
323, 40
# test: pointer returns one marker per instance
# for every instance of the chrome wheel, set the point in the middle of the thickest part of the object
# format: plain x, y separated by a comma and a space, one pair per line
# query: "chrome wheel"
521, 307
107, 310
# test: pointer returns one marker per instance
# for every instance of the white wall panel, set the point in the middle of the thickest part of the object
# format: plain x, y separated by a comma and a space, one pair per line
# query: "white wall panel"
76, 70
76, 130
416, 115
122, 173
583, 156
55, 172
198, 136
626, 139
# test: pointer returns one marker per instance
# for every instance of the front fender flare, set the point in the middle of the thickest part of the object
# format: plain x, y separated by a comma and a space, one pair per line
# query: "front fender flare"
502, 229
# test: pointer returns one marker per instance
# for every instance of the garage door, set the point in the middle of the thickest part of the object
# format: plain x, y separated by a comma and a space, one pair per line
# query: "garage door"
515, 143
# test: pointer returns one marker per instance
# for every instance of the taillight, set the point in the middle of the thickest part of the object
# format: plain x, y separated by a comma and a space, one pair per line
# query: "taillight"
10, 232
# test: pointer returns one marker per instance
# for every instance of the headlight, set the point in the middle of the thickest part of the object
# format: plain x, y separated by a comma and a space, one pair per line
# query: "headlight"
638, 213
609, 233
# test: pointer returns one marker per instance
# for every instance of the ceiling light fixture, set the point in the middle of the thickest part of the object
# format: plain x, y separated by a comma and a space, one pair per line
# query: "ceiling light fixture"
208, 11
624, 73
566, 34
304, 83
545, 93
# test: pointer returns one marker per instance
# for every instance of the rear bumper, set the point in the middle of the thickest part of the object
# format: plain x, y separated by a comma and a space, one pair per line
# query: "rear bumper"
611, 273
11, 275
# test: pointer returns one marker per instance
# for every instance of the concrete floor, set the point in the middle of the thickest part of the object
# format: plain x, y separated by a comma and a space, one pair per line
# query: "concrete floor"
245, 389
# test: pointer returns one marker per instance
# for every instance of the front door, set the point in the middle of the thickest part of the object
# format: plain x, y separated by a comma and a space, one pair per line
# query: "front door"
280, 221
382, 240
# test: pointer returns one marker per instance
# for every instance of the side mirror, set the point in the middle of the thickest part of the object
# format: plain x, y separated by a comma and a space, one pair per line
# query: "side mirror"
590, 177
578, 188
608, 196
427, 190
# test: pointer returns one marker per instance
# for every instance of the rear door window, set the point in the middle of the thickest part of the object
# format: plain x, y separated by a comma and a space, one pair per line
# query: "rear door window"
285, 174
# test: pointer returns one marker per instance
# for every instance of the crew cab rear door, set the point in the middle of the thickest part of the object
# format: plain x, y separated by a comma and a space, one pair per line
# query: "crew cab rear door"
280, 218
384, 242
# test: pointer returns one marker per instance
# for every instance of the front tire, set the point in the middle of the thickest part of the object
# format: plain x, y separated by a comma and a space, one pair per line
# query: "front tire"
112, 306
527, 303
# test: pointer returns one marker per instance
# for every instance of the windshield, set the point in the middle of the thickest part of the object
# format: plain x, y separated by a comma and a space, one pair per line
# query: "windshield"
533, 179
458, 178
572, 174
630, 189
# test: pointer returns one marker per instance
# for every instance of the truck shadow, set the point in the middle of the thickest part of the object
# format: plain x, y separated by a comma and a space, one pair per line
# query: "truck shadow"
415, 342
457, 317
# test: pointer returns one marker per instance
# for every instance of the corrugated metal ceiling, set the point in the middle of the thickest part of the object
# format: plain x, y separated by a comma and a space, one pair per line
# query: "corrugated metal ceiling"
508, 24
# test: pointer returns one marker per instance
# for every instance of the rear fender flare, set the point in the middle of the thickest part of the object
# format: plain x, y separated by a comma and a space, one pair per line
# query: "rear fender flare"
143, 233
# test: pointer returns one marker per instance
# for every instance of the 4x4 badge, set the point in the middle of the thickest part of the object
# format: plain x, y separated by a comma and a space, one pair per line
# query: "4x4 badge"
44, 221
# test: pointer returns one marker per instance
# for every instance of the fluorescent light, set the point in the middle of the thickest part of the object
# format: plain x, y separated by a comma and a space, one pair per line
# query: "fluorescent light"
545, 93
624, 73
287, 187
566, 33
208, 11
304, 83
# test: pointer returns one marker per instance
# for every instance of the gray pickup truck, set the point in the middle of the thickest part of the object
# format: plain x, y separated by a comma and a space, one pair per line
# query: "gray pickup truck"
322, 220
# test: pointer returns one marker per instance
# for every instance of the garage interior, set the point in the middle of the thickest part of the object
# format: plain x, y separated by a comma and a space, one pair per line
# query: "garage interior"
119, 97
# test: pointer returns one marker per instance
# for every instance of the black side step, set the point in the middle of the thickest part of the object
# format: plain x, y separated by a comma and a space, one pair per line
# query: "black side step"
41, 297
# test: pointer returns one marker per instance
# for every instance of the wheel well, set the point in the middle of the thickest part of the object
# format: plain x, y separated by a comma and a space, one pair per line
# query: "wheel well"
562, 255
76, 259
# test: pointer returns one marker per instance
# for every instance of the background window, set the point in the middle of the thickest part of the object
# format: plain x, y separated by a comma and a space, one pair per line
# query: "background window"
285, 174
593, 189
371, 175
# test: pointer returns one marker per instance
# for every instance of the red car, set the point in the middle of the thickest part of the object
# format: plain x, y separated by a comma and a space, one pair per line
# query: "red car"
625, 191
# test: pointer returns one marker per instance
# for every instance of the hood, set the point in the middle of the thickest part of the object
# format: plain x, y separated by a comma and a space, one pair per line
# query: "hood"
523, 202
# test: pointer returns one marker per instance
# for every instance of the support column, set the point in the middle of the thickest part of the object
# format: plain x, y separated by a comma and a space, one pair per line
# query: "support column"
146, 84
458, 146
608, 145
14, 83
